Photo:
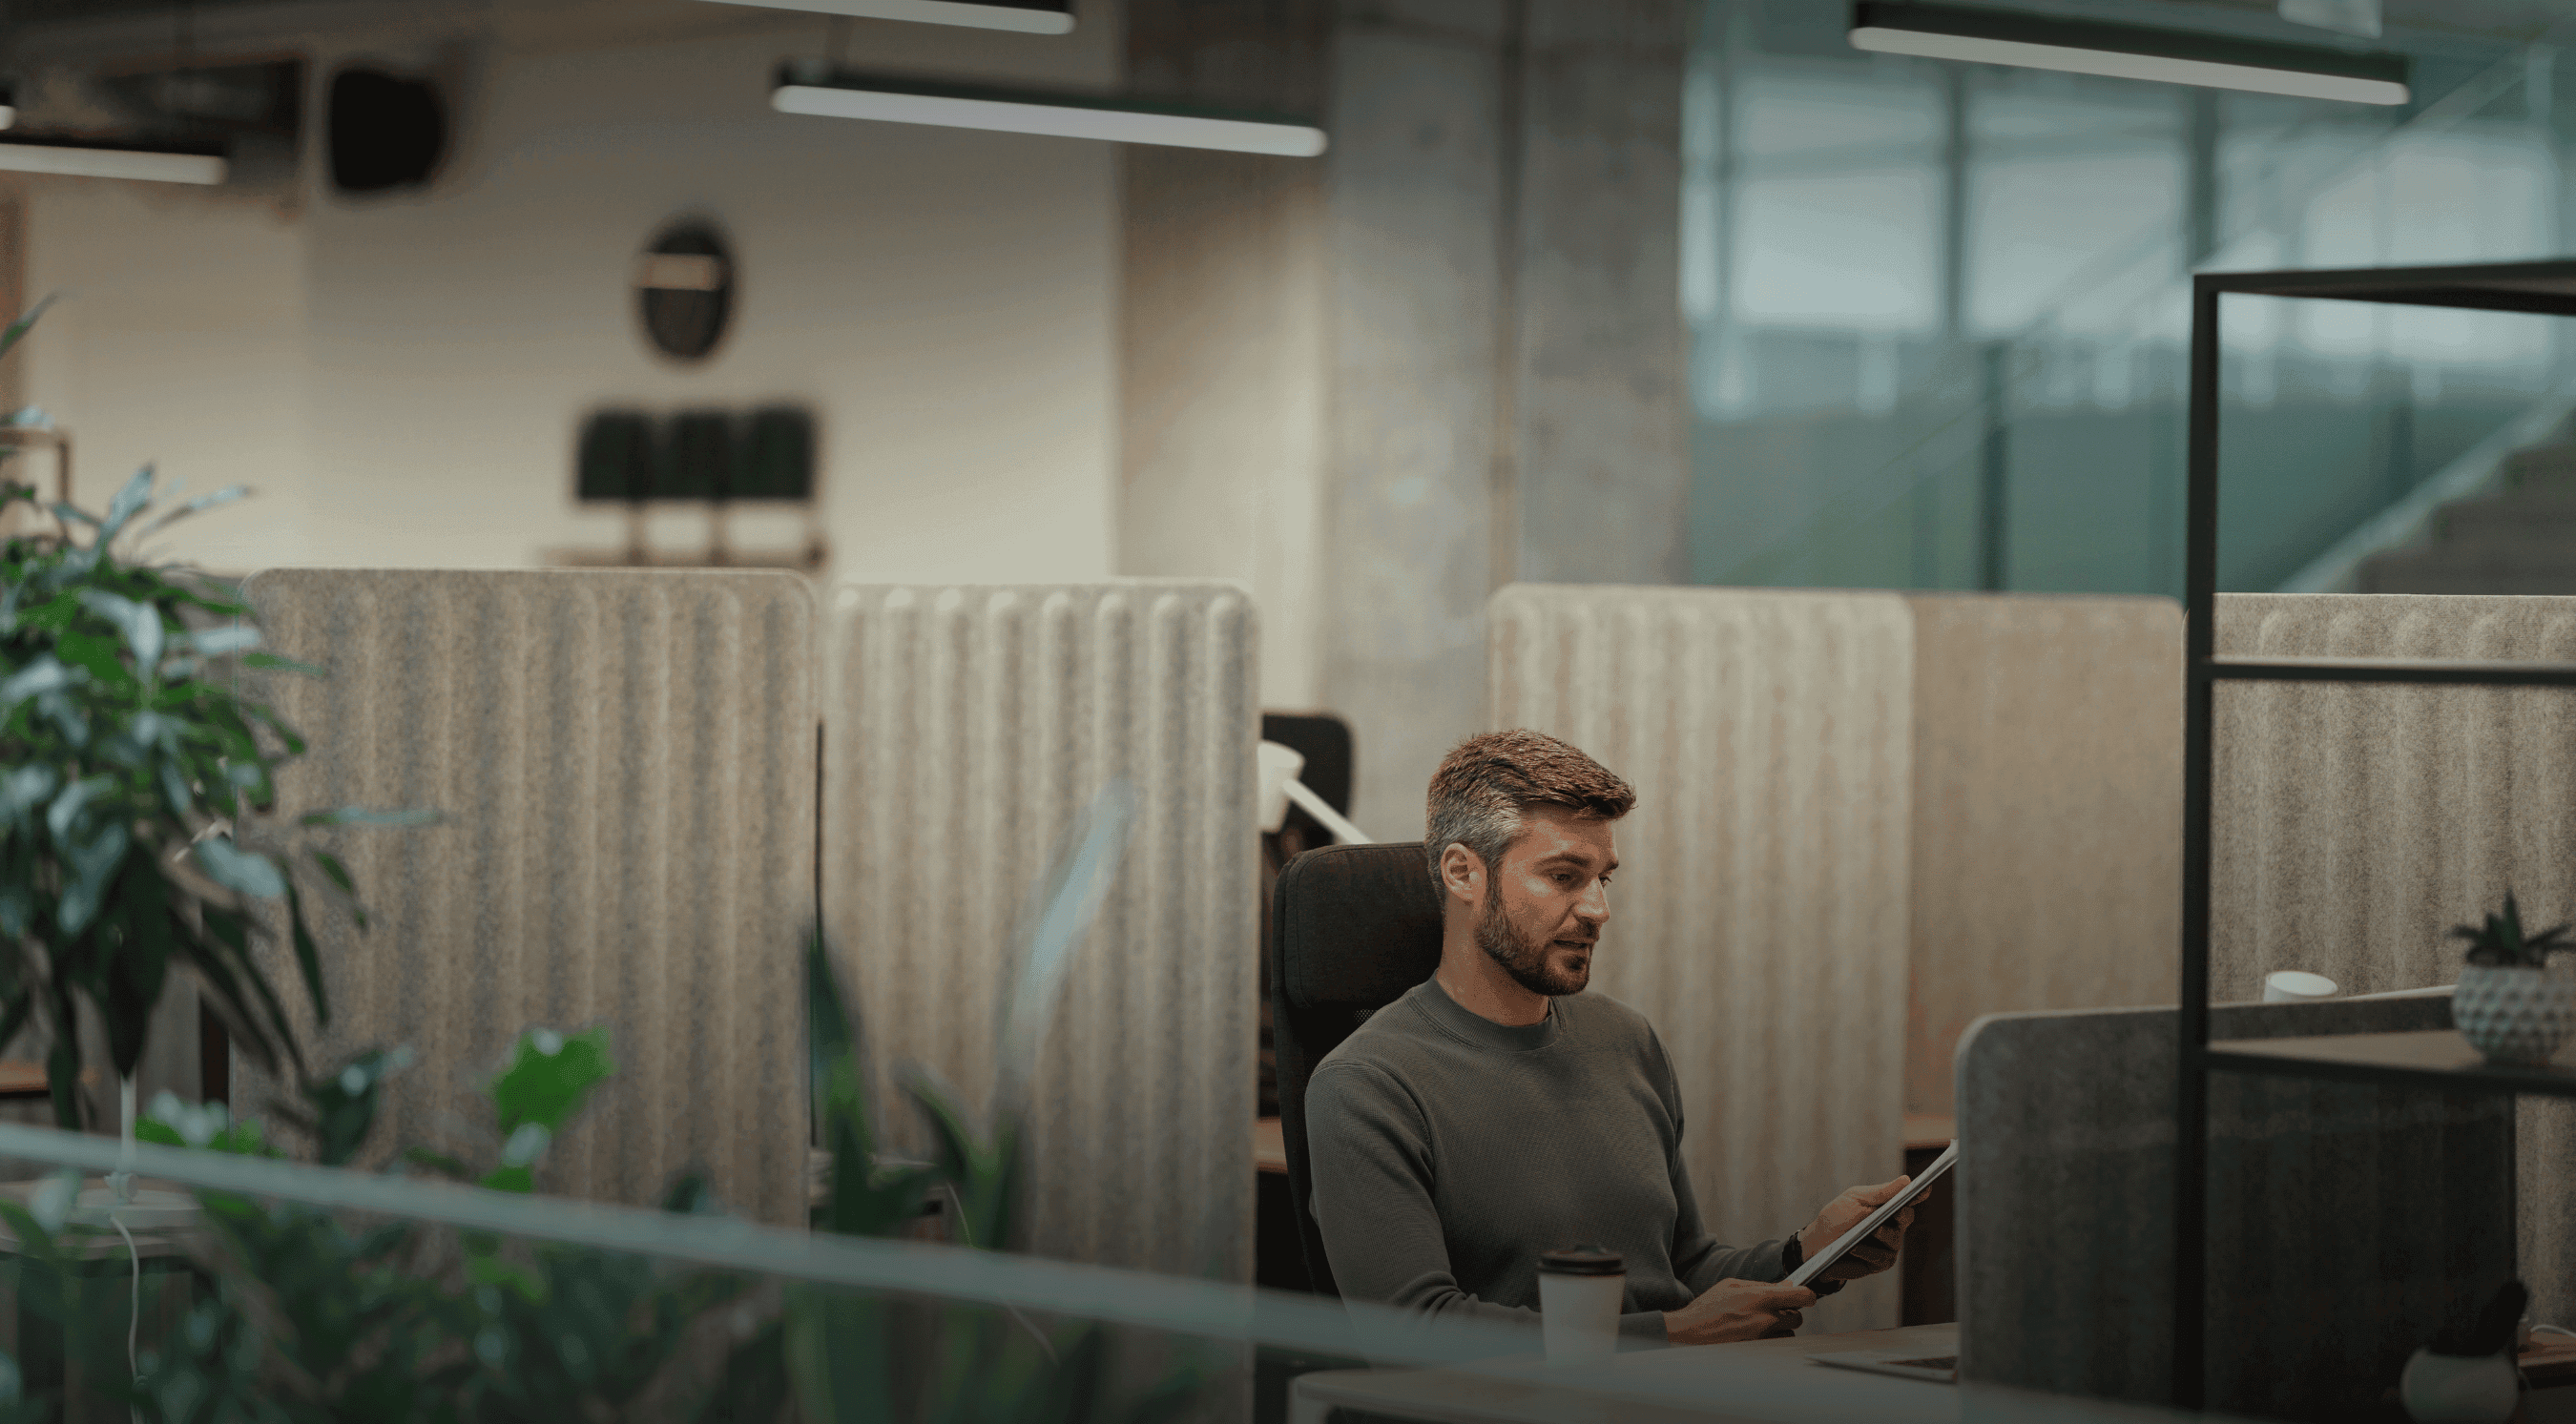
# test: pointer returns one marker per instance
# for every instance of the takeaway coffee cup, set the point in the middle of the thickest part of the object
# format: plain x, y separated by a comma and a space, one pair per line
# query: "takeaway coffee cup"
1580, 1290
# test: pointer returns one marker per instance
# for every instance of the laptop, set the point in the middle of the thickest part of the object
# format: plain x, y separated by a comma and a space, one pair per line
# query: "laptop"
1903, 1364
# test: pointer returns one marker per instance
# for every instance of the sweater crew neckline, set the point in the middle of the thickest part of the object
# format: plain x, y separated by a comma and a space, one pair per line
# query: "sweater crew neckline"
1478, 1031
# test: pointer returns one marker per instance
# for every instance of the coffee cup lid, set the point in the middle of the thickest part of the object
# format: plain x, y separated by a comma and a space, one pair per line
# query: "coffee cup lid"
1581, 1261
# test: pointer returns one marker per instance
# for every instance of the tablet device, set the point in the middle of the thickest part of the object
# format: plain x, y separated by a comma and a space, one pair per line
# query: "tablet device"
1811, 1267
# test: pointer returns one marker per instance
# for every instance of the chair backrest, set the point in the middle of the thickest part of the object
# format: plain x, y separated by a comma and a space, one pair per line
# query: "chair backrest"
1355, 927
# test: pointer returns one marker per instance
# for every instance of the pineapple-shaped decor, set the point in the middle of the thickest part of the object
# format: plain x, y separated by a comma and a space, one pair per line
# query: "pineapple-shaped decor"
2508, 1005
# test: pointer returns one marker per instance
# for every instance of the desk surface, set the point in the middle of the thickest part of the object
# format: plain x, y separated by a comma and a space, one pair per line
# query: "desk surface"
1755, 1382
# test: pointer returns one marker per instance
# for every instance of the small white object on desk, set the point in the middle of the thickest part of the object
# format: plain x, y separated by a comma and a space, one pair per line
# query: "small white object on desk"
2297, 986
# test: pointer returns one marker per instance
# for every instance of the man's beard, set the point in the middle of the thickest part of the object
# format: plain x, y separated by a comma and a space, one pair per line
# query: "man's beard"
1523, 958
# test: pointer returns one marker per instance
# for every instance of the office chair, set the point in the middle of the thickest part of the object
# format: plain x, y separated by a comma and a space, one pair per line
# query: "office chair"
1355, 927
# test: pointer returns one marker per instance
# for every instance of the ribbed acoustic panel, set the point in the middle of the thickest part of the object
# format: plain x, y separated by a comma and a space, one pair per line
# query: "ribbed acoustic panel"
1759, 916
2354, 825
2047, 840
625, 763
2346, 1222
965, 728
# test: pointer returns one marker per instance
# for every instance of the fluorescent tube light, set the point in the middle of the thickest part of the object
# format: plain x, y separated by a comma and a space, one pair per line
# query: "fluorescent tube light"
1057, 115
2030, 41
1025, 19
80, 160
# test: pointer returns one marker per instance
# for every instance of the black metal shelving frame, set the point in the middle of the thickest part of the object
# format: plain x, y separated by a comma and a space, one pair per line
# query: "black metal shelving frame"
2546, 288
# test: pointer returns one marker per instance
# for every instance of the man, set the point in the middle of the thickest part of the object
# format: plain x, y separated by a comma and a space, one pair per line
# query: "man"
1496, 1111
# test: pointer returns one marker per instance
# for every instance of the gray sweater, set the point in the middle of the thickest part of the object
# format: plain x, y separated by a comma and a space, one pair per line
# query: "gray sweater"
1450, 1150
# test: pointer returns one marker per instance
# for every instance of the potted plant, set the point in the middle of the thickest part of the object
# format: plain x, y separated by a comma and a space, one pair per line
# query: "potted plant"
127, 758
2508, 1005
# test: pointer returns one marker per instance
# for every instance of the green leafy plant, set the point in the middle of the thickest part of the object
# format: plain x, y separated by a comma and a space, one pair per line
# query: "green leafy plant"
316, 1321
2501, 944
131, 760
315, 1318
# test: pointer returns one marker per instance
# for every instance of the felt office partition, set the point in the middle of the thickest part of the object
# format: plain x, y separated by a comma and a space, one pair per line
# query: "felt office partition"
965, 727
1759, 915
2346, 1221
2047, 813
624, 761
2355, 824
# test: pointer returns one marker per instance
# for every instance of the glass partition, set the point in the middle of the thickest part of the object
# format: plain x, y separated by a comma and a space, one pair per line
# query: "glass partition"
240, 1287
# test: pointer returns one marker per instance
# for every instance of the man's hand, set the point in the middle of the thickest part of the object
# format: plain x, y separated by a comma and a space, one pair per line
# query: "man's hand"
1842, 1214
1737, 1310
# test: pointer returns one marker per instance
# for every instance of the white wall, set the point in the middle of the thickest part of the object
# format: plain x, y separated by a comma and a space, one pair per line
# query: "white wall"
403, 378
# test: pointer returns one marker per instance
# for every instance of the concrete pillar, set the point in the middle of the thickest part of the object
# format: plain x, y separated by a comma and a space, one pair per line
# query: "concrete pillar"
1448, 356
1508, 394
1602, 409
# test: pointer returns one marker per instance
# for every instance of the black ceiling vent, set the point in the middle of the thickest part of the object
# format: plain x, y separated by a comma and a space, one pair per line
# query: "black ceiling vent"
387, 133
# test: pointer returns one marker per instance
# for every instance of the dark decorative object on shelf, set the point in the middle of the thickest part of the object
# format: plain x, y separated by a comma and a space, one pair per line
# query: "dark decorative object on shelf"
703, 455
684, 290
2508, 1005
387, 133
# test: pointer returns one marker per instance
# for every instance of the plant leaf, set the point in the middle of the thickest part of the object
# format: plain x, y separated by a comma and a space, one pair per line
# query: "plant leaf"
549, 1077
1068, 899
93, 864
216, 642
129, 501
247, 871
308, 957
45, 673
140, 623
18, 329
199, 505
271, 662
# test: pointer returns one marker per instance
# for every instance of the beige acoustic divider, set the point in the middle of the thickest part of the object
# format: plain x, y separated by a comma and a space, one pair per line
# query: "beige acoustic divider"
1759, 917
2047, 831
965, 728
2354, 824
625, 765
1865, 819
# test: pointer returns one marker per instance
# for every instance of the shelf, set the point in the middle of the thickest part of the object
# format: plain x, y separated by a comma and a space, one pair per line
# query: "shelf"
2548, 288
2434, 1058
2467, 672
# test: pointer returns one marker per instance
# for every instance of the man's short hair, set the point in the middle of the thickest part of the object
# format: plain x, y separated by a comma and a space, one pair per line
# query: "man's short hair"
1488, 783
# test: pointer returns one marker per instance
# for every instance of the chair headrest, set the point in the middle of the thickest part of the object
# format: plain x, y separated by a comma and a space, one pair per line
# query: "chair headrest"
1358, 926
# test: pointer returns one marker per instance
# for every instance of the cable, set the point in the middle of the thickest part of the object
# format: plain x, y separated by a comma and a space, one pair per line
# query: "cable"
2553, 1329
134, 1319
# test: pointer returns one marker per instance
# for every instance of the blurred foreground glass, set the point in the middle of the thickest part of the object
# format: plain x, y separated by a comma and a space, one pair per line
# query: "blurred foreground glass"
326, 1294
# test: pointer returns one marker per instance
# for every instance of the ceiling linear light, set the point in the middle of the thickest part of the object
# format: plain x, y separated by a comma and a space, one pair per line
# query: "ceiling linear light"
803, 89
1031, 19
2029, 41
84, 158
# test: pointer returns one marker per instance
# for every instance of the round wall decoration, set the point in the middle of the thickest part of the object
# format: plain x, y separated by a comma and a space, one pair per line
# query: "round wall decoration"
684, 290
